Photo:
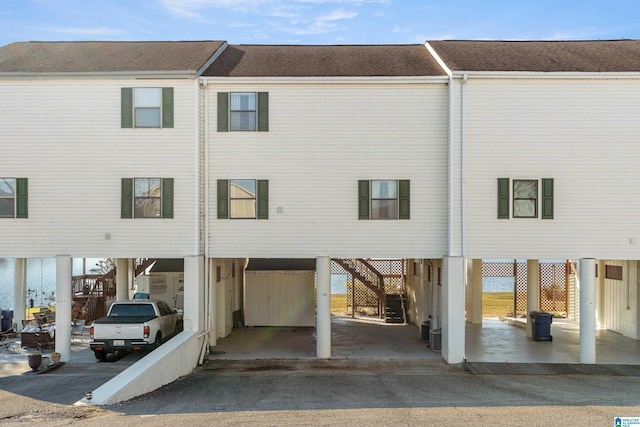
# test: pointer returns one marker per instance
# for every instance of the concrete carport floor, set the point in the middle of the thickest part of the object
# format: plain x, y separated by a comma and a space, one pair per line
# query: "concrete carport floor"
506, 341
359, 338
369, 338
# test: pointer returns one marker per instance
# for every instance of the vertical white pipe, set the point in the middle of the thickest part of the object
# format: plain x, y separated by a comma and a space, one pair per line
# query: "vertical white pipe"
323, 309
587, 310
19, 292
122, 279
63, 307
196, 198
451, 153
463, 161
533, 291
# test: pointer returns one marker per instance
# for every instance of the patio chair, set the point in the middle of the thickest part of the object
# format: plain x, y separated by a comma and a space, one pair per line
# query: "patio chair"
77, 329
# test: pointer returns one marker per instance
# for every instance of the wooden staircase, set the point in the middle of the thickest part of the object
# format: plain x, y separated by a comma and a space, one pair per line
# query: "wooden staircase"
390, 306
93, 293
394, 309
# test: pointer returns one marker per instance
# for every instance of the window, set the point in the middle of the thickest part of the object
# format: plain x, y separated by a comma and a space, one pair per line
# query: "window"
13, 198
147, 198
613, 272
525, 198
522, 198
147, 107
383, 199
243, 199
243, 111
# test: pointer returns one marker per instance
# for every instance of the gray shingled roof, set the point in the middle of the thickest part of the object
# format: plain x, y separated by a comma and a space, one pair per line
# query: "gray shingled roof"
544, 56
81, 57
313, 61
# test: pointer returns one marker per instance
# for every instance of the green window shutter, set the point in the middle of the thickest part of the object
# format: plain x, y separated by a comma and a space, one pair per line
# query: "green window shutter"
167, 197
547, 198
126, 204
22, 196
403, 199
223, 111
167, 107
503, 198
263, 199
263, 111
363, 199
126, 107
223, 199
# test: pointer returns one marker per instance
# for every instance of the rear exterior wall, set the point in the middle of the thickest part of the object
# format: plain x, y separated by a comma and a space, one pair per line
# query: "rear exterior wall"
583, 133
322, 139
65, 137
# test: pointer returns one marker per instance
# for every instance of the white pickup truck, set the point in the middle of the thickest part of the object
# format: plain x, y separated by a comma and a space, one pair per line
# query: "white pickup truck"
133, 326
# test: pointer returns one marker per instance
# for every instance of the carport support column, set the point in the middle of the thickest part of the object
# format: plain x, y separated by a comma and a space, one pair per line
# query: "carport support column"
63, 307
19, 292
453, 322
476, 292
587, 310
323, 309
194, 301
122, 279
533, 292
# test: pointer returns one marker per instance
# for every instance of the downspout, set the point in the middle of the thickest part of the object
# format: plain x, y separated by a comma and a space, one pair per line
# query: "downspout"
451, 153
205, 237
196, 166
463, 161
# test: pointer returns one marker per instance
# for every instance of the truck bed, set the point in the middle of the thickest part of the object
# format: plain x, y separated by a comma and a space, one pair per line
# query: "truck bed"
110, 320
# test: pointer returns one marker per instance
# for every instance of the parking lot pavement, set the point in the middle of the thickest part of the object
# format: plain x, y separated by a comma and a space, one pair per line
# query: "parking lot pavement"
323, 392
70, 381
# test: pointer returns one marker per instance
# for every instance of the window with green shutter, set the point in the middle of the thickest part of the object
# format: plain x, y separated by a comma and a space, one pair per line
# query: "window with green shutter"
243, 111
14, 198
146, 198
223, 111
263, 199
525, 198
384, 199
404, 199
363, 199
223, 199
146, 107
243, 199
547, 198
503, 198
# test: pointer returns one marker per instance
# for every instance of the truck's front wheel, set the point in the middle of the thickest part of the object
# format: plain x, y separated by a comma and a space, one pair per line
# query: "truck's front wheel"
100, 355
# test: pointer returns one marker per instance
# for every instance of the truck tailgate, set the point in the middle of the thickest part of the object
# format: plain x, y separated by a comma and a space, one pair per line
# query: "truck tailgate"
119, 328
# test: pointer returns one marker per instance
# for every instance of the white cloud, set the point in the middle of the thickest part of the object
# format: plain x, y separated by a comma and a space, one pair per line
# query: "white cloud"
193, 8
319, 25
337, 15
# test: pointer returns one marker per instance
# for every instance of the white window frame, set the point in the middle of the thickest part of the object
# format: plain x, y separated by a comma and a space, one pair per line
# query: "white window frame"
232, 199
396, 212
235, 112
513, 199
136, 197
139, 105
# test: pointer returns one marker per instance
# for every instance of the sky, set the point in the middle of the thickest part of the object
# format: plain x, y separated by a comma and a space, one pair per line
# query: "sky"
317, 21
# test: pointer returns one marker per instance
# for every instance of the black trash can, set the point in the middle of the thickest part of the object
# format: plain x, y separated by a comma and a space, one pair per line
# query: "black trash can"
541, 324
424, 330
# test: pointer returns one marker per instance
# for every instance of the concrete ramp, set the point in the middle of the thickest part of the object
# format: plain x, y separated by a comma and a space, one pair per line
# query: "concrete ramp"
174, 359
